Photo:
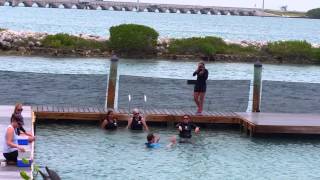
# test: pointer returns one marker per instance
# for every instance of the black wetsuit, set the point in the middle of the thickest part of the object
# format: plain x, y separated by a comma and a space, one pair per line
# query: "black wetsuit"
201, 85
111, 125
136, 123
186, 129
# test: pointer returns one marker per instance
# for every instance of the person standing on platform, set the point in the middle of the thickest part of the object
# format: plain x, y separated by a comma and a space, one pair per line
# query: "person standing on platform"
200, 86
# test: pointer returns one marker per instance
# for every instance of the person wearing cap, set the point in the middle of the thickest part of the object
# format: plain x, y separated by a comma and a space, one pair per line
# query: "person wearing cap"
18, 111
137, 122
11, 147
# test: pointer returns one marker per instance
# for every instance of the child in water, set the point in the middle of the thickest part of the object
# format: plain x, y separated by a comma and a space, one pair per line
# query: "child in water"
153, 141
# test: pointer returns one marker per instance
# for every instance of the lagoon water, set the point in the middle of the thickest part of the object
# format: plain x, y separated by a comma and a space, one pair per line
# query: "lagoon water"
82, 151
97, 22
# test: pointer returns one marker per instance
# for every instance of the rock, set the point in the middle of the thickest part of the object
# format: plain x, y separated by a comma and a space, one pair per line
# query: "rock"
38, 44
5, 45
31, 44
22, 50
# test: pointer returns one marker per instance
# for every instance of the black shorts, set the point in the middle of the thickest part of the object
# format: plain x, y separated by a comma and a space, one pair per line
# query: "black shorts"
12, 156
200, 88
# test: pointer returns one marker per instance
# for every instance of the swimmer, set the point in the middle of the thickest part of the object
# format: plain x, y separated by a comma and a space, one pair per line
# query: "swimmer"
109, 123
137, 122
185, 128
153, 141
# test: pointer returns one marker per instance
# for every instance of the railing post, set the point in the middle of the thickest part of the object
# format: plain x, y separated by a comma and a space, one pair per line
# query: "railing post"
256, 87
112, 83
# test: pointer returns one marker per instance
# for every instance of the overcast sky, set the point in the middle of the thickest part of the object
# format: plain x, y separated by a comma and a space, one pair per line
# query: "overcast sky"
299, 5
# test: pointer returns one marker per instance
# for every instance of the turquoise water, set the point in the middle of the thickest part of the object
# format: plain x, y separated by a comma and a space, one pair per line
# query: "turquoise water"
82, 151
169, 25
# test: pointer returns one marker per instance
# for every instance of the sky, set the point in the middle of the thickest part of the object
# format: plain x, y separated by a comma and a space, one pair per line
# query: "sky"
296, 5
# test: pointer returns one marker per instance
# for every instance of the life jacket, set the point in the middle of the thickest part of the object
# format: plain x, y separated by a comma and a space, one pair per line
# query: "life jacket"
137, 123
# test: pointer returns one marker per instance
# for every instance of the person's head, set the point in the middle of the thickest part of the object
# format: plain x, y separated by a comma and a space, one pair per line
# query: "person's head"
186, 118
136, 112
151, 138
17, 120
201, 65
109, 114
18, 108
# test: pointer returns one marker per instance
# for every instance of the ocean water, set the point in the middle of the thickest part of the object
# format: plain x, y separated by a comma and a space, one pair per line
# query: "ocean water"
98, 22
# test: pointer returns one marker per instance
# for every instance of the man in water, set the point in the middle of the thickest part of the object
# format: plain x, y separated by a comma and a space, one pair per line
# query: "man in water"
185, 128
153, 141
200, 86
137, 122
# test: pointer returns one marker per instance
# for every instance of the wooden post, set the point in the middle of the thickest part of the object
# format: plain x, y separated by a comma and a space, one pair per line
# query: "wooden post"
112, 83
256, 87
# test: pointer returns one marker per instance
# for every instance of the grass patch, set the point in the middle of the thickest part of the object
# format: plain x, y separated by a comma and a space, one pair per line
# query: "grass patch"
290, 49
2, 29
287, 13
208, 46
66, 41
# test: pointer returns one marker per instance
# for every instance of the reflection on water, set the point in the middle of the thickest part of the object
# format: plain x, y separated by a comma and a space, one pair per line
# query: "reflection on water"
82, 151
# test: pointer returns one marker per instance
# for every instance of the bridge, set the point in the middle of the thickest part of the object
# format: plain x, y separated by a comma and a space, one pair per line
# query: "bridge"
133, 6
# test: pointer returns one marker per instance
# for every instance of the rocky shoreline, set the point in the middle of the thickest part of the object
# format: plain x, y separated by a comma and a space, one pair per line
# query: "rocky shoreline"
29, 44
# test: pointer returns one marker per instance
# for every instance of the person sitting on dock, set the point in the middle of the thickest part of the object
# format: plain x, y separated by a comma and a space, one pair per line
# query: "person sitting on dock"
185, 128
153, 141
18, 111
11, 147
109, 123
137, 122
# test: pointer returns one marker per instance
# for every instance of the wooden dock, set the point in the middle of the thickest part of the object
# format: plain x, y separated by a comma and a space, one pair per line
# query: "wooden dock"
252, 123
12, 172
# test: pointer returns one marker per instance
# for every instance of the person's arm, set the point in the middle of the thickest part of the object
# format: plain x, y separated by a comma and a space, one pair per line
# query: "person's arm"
179, 127
144, 124
104, 123
206, 74
196, 72
196, 128
129, 122
157, 139
9, 139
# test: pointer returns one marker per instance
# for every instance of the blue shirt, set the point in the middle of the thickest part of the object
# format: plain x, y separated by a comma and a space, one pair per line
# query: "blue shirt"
152, 145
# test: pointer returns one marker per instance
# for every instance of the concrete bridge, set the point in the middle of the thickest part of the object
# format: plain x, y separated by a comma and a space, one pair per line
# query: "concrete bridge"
132, 6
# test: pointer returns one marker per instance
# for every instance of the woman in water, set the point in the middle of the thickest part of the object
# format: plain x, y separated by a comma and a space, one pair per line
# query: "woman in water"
109, 122
137, 122
10, 146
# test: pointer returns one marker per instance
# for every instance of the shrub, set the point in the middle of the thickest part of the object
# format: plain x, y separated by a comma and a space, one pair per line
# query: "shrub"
207, 46
290, 49
316, 54
1, 29
314, 13
133, 39
72, 42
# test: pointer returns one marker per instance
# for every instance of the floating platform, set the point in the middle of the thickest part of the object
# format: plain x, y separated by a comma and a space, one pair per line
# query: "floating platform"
252, 123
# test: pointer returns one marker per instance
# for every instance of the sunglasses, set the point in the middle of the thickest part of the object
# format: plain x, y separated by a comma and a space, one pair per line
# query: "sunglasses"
20, 109
136, 113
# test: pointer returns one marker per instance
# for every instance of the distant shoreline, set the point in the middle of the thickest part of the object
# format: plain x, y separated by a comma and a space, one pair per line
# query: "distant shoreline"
22, 43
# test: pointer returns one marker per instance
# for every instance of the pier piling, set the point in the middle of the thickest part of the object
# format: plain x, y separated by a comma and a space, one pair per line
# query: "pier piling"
256, 87
112, 83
